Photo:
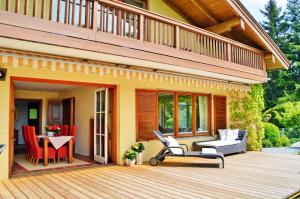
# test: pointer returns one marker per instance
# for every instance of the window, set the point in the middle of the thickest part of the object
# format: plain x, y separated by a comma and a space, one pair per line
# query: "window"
137, 3
202, 114
177, 114
166, 113
185, 114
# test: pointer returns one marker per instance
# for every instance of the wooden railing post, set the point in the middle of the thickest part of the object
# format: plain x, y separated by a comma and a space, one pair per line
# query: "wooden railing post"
177, 37
229, 52
95, 10
119, 22
141, 28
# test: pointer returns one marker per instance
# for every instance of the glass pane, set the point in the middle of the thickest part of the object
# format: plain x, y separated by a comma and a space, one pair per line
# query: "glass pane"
98, 101
98, 123
97, 145
102, 146
202, 114
185, 114
102, 126
166, 113
102, 100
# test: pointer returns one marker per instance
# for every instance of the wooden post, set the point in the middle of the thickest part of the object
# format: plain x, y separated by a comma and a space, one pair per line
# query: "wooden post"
95, 10
229, 52
177, 37
119, 23
46, 141
141, 28
70, 159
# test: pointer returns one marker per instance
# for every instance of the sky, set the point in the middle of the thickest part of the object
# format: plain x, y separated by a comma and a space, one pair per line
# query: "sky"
255, 5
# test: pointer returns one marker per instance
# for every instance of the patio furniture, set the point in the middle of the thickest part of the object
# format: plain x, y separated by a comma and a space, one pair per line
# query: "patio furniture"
238, 145
173, 149
37, 151
2, 147
62, 152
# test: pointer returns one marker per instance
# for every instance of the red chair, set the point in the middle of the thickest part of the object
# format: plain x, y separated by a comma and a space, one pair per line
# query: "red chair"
25, 138
63, 151
36, 150
64, 130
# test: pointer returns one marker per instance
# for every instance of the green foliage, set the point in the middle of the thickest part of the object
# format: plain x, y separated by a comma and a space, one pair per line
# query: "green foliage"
272, 134
138, 147
284, 85
294, 140
246, 113
130, 154
273, 137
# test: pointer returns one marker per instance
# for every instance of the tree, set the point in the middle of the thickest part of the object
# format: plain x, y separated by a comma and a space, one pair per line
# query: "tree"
274, 25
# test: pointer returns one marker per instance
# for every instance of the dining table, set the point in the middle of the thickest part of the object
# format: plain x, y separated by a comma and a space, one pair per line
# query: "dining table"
57, 142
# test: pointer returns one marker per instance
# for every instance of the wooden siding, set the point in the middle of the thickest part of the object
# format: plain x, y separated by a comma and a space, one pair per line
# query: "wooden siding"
220, 113
146, 114
252, 175
115, 23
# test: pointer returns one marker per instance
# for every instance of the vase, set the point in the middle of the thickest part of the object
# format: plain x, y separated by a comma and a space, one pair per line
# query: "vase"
140, 158
130, 162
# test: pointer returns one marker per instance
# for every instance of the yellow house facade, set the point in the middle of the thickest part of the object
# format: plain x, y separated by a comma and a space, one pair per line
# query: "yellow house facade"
159, 67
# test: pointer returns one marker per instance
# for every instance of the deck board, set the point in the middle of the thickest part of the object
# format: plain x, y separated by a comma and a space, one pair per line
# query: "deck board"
251, 175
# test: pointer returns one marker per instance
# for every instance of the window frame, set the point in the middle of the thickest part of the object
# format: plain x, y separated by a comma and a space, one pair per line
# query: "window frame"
194, 133
146, 2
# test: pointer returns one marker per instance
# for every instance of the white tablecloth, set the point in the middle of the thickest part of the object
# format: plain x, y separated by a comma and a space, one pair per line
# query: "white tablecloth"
57, 142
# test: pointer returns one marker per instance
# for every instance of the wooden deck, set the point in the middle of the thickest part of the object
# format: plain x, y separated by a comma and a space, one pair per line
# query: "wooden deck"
251, 175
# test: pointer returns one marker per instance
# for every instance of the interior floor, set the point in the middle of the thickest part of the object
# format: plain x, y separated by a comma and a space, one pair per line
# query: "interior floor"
21, 170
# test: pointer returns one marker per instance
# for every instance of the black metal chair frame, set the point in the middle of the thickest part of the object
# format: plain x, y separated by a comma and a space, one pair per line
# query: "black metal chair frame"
166, 151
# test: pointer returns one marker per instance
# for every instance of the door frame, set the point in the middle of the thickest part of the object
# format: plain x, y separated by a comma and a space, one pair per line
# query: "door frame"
40, 101
55, 81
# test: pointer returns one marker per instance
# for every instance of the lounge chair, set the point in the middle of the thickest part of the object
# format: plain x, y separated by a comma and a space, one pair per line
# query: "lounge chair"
2, 147
226, 147
177, 150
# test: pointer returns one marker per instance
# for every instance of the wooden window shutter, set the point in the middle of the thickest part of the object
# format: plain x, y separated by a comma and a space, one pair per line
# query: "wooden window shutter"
220, 113
146, 114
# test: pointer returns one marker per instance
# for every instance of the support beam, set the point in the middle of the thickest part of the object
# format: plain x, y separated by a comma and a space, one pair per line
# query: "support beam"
270, 58
226, 26
200, 7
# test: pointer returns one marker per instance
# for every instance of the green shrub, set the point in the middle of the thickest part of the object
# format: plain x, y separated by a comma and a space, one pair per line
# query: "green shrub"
284, 141
294, 140
267, 143
272, 134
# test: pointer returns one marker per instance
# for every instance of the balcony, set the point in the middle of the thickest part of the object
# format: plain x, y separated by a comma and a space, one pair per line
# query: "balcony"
115, 26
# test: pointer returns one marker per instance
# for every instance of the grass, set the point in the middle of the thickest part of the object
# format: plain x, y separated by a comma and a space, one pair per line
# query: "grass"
298, 152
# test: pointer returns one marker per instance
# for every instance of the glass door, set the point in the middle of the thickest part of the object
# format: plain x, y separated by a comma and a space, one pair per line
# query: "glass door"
101, 126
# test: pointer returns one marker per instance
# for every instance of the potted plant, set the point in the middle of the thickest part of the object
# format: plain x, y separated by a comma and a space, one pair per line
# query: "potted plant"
130, 157
139, 148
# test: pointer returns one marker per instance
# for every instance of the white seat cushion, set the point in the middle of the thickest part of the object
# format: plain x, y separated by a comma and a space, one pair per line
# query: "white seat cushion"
219, 143
172, 142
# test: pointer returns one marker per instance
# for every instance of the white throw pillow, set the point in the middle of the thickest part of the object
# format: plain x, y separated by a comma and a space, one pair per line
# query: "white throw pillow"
172, 142
236, 133
232, 134
223, 133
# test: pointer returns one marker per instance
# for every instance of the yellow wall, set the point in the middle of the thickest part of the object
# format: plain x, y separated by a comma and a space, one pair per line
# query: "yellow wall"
44, 96
125, 104
161, 7
84, 111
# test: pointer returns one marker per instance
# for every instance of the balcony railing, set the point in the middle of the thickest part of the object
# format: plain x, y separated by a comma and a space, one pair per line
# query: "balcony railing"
127, 21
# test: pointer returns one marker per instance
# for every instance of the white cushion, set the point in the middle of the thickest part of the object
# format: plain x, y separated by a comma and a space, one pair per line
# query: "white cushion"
219, 143
232, 134
172, 142
223, 133
209, 151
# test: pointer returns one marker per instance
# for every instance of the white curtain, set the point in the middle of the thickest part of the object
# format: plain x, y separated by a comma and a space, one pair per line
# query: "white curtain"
203, 113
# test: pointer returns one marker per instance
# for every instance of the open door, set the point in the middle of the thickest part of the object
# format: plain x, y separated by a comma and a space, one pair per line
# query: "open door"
101, 126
